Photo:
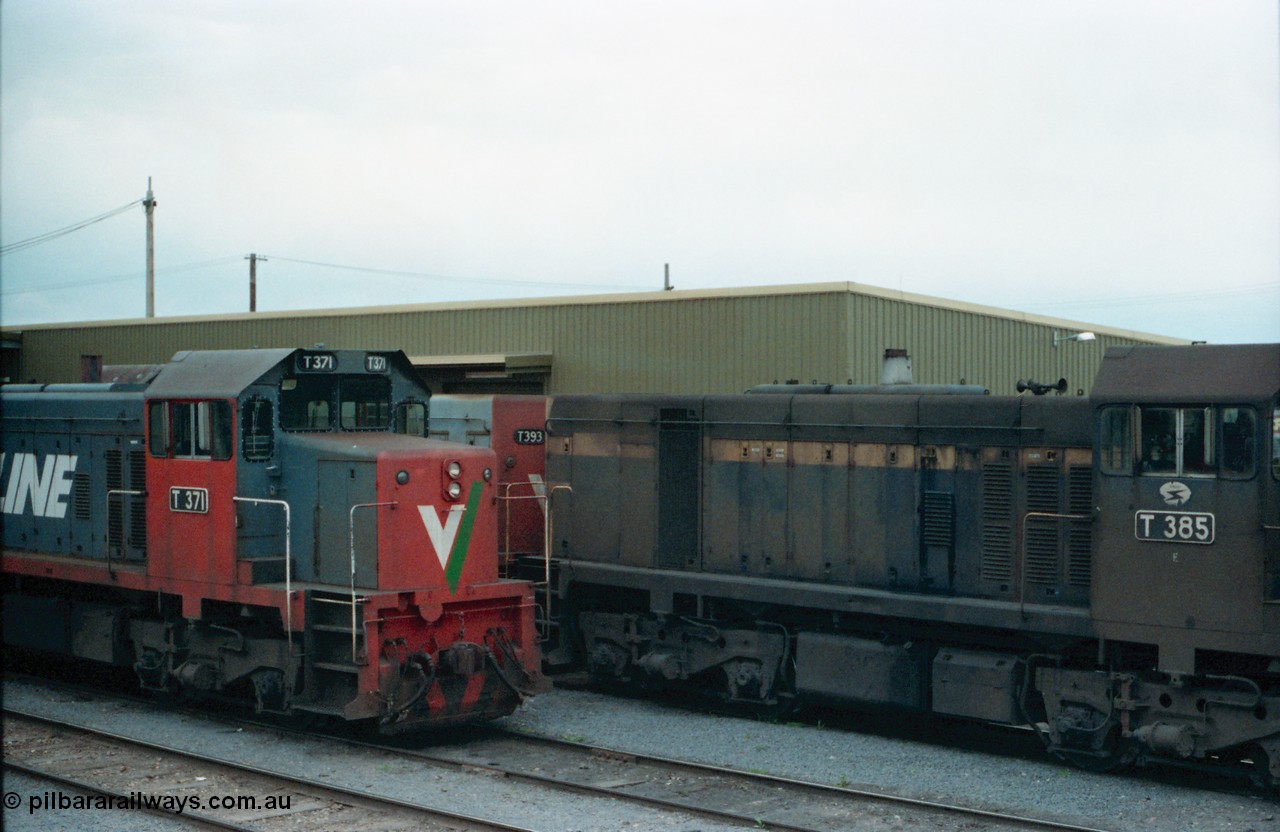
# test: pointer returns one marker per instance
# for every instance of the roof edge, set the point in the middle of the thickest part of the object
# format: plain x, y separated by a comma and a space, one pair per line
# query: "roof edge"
842, 288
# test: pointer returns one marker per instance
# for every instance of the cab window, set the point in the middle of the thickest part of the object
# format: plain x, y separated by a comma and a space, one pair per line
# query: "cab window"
257, 429
411, 418
1190, 442
305, 402
1275, 446
1183, 442
365, 403
1117, 440
1158, 429
190, 430
1239, 432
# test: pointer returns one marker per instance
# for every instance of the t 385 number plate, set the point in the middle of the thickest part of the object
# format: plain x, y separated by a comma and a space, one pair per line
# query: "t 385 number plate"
1174, 526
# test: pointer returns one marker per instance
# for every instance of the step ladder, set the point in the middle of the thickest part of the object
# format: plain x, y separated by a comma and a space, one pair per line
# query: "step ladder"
336, 651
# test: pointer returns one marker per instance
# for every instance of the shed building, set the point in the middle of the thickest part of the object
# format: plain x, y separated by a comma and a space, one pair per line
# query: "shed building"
701, 341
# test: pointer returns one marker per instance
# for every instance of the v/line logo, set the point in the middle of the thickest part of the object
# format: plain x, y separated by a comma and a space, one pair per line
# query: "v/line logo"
452, 538
43, 486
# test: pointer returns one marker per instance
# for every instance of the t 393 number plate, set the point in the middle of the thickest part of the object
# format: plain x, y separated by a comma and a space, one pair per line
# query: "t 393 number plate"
1174, 526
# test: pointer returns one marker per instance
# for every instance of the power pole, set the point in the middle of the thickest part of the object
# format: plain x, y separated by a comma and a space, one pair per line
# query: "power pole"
150, 205
666, 277
253, 280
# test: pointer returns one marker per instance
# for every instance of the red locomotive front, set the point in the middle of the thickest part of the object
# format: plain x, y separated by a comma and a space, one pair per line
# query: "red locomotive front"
285, 534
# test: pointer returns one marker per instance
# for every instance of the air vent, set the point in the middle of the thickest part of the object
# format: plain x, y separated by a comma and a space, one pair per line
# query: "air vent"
81, 498
1043, 485
938, 521
997, 521
1042, 551
1079, 534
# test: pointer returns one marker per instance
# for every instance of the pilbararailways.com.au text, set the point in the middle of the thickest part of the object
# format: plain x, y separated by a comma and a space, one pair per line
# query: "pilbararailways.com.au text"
141, 801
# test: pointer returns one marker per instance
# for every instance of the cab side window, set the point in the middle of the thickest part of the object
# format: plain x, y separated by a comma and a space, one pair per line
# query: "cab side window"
411, 418
1196, 442
1275, 446
158, 420
1159, 431
1117, 440
257, 429
1239, 427
190, 430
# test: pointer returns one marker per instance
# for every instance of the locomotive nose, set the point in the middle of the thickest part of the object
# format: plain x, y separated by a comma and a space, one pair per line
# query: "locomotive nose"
444, 512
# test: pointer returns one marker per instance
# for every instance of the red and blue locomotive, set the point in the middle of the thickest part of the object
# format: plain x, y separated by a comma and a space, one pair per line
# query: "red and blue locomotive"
270, 525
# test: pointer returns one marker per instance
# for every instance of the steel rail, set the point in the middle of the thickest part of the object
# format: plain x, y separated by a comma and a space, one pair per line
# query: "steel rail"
701, 768
821, 788
471, 821
194, 818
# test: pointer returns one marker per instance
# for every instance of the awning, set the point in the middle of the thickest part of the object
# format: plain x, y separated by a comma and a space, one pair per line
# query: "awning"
482, 365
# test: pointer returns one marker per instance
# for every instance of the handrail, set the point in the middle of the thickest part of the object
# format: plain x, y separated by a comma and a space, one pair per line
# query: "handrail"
1022, 575
288, 563
351, 533
546, 548
117, 492
539, 487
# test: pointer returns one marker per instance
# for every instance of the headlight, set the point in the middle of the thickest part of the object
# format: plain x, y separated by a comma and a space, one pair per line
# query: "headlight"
454, 490
454, 470
402, 477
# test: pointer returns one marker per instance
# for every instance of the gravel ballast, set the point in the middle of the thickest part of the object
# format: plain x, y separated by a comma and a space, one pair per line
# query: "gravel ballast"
926, 770
1047, 788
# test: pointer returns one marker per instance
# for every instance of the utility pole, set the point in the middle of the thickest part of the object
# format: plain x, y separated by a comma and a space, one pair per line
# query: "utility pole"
253, 280
666, 277
150, 205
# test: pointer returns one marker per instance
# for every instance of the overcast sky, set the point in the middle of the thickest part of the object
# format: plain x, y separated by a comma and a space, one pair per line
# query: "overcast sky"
1112, 162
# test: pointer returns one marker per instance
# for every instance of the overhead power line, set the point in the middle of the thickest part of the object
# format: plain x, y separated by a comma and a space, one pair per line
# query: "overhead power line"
450, 278
119, 278
61, 232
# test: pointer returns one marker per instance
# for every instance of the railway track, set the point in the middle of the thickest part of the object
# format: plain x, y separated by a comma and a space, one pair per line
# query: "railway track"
767, 801
122, 773
677, 788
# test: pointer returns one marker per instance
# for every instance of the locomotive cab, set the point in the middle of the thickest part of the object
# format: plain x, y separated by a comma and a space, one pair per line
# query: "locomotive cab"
1185, 590
1186, 485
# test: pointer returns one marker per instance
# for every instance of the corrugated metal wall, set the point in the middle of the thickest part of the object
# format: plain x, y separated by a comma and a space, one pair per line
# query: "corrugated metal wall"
678, 342
952, 346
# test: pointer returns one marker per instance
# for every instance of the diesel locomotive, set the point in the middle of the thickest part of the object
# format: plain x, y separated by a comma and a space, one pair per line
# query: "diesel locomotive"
270, 525
1104, 569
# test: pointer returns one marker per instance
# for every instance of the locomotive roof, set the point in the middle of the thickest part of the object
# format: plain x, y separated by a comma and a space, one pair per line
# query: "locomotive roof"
214, 373
224, 374
1200, 373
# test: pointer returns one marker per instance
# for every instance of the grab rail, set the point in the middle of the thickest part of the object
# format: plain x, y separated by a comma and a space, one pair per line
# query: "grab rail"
1022, 577
117, 492
288, 563
546, 549
351, 534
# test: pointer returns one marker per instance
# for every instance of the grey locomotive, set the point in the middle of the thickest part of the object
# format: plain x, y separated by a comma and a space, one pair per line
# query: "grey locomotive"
1105, 569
